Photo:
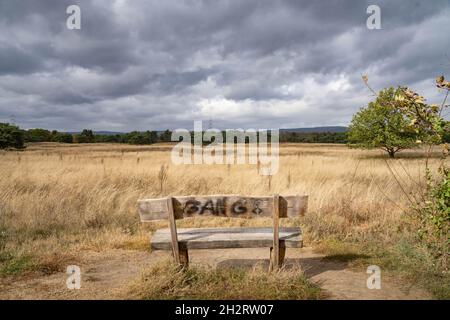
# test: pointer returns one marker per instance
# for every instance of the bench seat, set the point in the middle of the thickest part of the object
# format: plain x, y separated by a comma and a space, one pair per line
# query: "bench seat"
215, 238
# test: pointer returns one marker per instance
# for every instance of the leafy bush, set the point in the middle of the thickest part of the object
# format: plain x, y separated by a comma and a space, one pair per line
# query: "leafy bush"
11, 136
434, 214
61, 137
38, 135
86, 136
136, 137
433, 210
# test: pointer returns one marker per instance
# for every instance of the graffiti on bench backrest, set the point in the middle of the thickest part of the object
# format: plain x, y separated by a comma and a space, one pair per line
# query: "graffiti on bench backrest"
222, 206
225, 207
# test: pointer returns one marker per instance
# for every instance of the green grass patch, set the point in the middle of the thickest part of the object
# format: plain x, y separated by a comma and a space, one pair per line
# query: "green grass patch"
18, 263
14, 264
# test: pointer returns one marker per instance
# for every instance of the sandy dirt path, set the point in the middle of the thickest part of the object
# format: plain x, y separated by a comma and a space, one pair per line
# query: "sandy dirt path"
106, 274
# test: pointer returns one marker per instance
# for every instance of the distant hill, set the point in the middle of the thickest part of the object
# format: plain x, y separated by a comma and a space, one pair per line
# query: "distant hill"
316, 129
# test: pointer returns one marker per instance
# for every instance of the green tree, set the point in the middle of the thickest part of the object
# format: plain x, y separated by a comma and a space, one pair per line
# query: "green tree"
152, 136
38, 135
166, 136
61, 137
108, 138
11, 136
382, 124
86, 136
136, 137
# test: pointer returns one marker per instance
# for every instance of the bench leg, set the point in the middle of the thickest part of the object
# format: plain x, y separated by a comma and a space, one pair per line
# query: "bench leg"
277, 261
184, 257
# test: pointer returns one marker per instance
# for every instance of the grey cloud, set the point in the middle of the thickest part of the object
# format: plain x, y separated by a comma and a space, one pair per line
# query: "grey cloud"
16, 61
150, 64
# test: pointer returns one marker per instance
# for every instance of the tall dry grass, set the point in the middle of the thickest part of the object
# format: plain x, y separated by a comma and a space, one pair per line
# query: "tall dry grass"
51, 188
65, 198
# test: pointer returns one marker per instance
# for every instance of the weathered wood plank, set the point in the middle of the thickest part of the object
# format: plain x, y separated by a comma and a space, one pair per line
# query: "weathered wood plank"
215, 238
222, 206
173, 231
282, 254
276, 239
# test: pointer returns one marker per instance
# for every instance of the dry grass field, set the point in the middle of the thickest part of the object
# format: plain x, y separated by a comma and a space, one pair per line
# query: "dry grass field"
59, 202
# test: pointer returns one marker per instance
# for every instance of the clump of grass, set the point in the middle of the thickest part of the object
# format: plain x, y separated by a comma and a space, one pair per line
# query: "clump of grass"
53, 263
14, 263
139, 242
416, 263
165, 280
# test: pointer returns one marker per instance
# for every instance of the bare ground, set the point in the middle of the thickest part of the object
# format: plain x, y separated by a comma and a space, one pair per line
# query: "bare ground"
105, 275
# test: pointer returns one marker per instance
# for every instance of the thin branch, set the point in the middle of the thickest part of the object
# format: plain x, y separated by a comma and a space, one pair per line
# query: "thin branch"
353, 178
384, 194
366, 82
418, 185
443, 102
396, 174
398, 182
407, 173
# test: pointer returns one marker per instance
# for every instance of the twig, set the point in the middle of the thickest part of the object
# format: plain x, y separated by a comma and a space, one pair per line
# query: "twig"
418, 185
353, 179
366, 82
382, 192
398, 182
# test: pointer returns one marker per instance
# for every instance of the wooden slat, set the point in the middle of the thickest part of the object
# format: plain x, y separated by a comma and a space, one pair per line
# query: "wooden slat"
276, 240
216, 238
173, 231
222, 206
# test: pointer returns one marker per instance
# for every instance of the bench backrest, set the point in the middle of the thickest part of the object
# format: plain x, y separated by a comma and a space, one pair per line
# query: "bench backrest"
232, 206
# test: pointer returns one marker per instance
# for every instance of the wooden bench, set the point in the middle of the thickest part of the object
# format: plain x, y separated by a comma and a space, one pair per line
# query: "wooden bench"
233, 206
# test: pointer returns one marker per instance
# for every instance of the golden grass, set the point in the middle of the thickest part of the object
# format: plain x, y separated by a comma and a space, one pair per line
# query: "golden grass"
50, 189
57, 198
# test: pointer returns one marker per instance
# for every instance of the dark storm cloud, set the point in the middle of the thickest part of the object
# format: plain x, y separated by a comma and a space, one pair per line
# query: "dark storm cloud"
16, 61
161, 64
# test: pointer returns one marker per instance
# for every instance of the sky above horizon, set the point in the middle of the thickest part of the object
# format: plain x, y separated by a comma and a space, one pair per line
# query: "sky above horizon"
155, 65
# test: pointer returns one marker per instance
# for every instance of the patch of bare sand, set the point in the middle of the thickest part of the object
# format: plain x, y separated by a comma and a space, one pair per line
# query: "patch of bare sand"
103, 274
106, 274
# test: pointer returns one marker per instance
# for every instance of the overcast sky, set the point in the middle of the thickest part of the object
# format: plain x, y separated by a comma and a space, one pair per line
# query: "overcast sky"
152, 65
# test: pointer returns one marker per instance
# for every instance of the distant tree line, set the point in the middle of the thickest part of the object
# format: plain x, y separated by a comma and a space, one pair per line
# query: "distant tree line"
150, 137
11, 136
314, 137
88, 136
293, 137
